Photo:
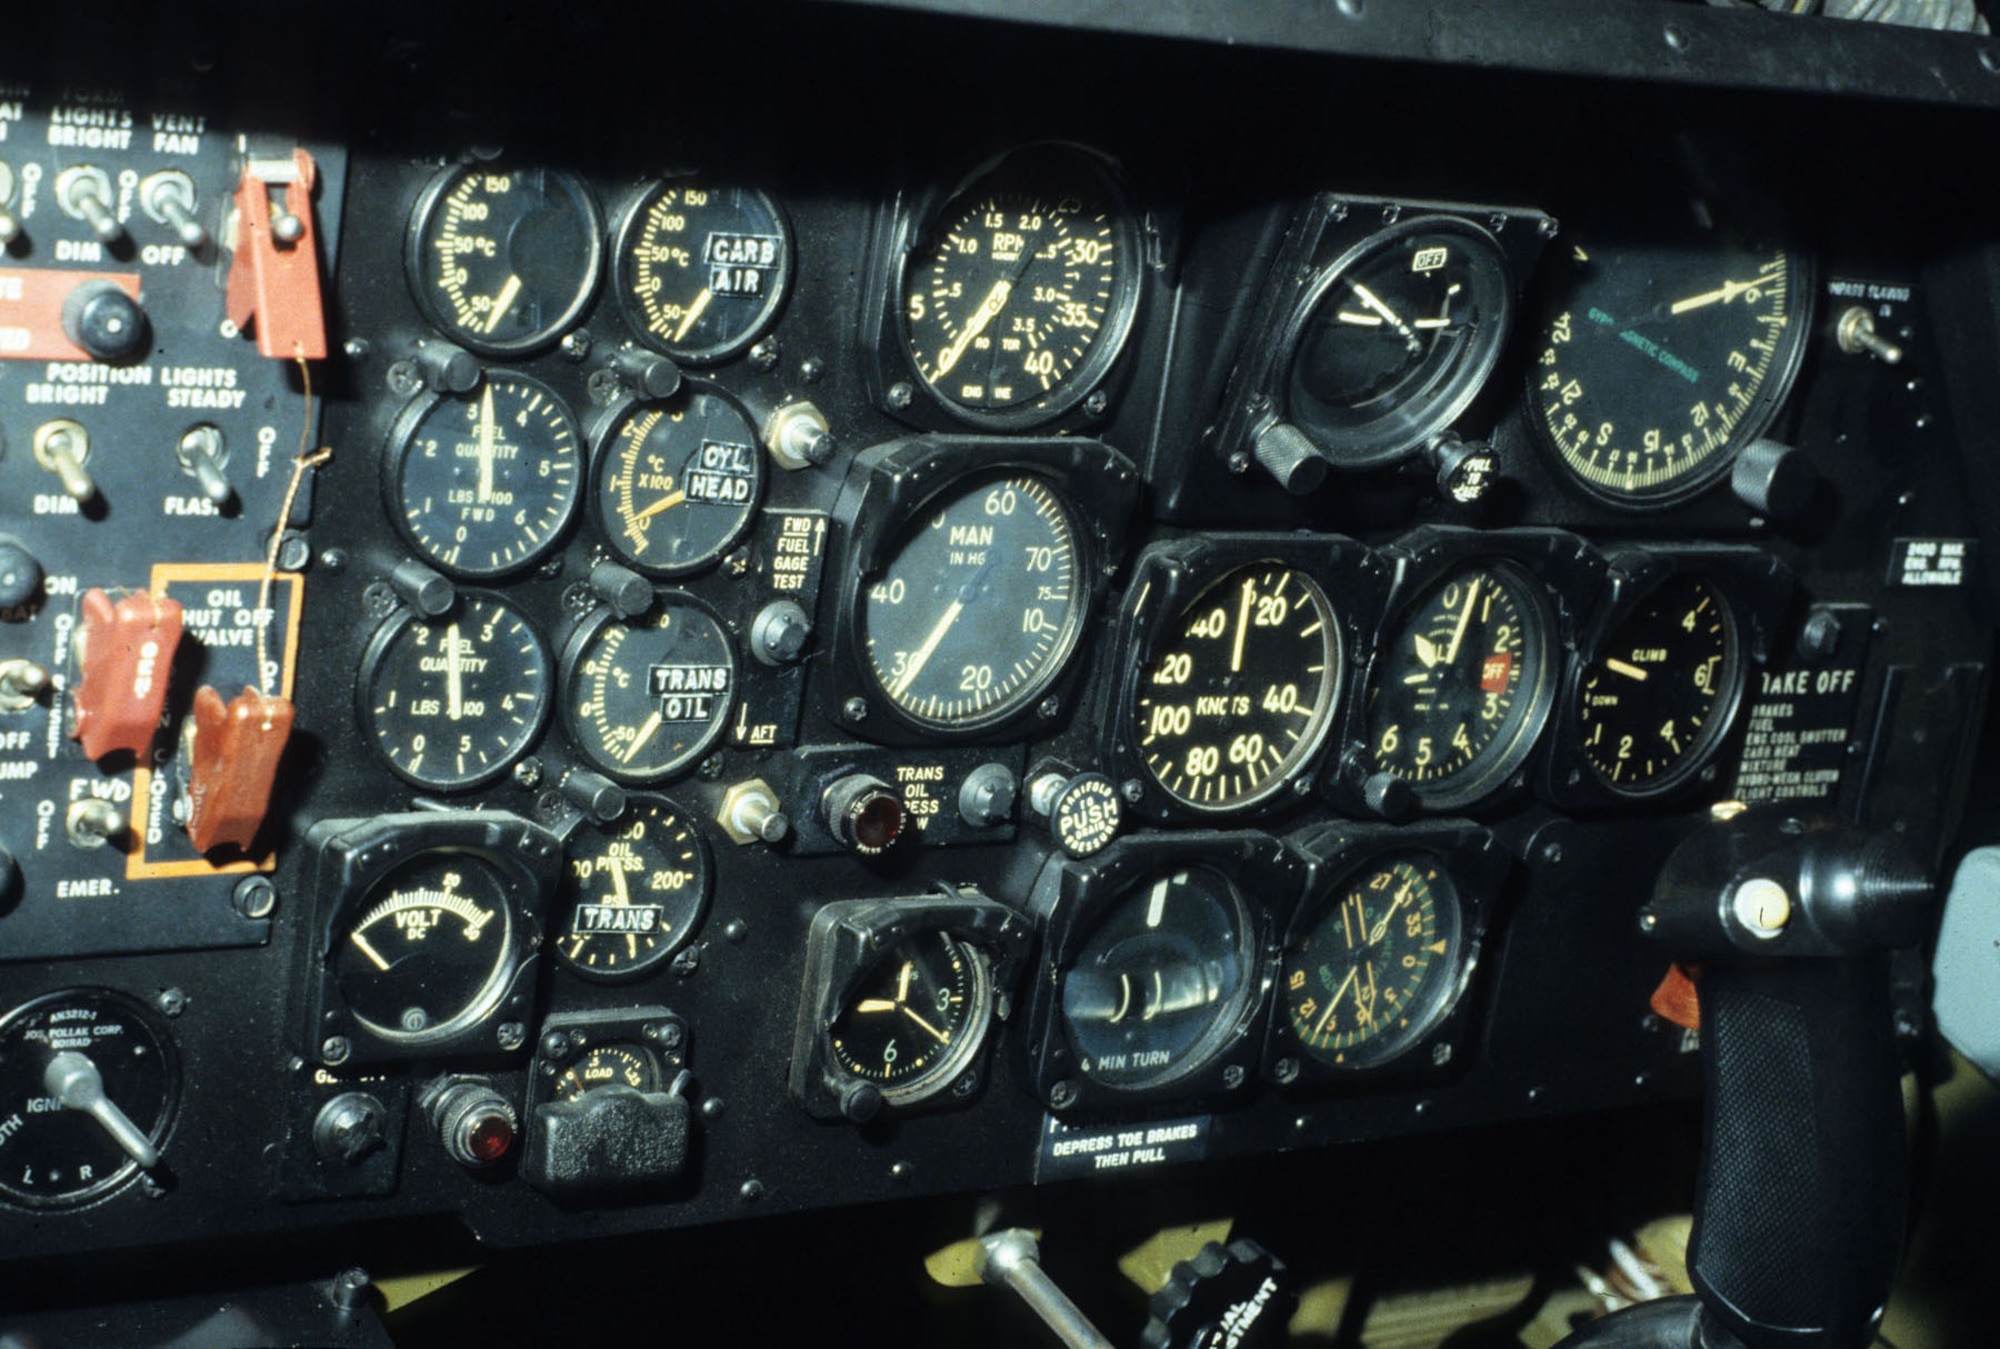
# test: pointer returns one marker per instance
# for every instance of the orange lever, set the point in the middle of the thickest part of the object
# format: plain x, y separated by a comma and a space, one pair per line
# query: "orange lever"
274, 275
234, 765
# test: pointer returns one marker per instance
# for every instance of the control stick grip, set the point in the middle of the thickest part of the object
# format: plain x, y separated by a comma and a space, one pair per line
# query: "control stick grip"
1799, 1211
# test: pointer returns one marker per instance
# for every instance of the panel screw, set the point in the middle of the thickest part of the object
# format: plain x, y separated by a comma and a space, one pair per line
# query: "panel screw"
356, 348
1286, 1071
350, 1289
334, 560
1094, 405
711, 768
855, 709
764, 356
1132, 790
1552, 853
555, 1044
686, 962
900, 1172
403, 378
966, 1085
901, 395
812, 370
1050, 709
671, 1035
510, 1036
293, 552
604, 385
752, 1190
713, 1107
378, 599
576, 346
334, 1050
735, 930
528, 773
1233, 1076
1062, 1095
255, 897
1440, 1055
172, 1001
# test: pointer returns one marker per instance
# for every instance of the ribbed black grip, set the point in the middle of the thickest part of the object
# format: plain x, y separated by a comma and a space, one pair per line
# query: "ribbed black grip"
1799, 1214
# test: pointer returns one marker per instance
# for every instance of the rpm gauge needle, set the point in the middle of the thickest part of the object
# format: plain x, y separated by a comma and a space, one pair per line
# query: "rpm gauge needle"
995, 301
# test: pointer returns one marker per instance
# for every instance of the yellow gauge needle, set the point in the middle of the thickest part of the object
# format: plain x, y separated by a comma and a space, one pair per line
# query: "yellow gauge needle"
1382, 924
903, 981
694, 312
995, 301
1728, 291
622, 895
1374, 302
1358, 320
936, 1034
1464, 619
1334, 1001
1427, 651
489, 433
503, 302
639, 740
928, 649
867, 1005
1443, 320
369, 951
454, 675
1617, 666
1242, 625
665, 503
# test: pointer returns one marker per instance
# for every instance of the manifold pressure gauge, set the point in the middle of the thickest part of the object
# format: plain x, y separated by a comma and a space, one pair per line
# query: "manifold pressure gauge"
502, 260
702, 269
675, 486
453, 702
636, 891
644, 699
484, 483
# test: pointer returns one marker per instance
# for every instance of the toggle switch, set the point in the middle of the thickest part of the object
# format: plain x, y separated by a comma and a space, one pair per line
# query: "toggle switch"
62, 447
124, 655
798, 436
84, 192
168, 197
10, 224
77, 1085
92, 823
750, 812
274, 272
234, 749
21, 684
202, 454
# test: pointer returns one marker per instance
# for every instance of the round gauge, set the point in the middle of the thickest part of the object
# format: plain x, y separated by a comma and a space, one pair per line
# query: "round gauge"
915, 1017
427, 949
609, 1066
453, 702
57, 1155
644, 699
701, 269
674, 490
1660, 361
1241, 693
1380, 965
1393, 340
979, 606
1651, 706
502, 260
1018, 296
1161, 982
1461, 685
484, 483
636, 889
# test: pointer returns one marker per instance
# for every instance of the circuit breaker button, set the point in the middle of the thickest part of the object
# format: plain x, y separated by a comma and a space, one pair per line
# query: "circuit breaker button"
234, 765
125, 654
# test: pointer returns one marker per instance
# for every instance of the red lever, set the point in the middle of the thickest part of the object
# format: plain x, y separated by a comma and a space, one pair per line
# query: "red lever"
1674, 1000
234, 765
274, 276
124, 655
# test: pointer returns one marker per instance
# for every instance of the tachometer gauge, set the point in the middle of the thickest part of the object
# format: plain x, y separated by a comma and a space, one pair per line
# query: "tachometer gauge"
675, 487
1155, 989
644, 699
484, 483
1243, 692
502, 260
1660, 361
702, 269
428, 950
1378, 967
453, 702
1461, 684
1017, 296
979, 606
636, 890
1657, 698
911, 1022
1396, 337
609, 1066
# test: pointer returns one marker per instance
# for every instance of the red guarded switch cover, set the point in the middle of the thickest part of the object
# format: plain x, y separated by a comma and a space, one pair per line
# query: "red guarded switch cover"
234, 765
124, 655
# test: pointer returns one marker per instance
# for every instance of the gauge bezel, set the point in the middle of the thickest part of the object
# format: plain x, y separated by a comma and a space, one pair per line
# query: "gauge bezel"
1561, 577
569, 663
1758, 590
845, 945
418, 226
1072, 897
909, 227
391, 629
886, 492
603, 437
1339, 852
1169, 576
653, 960
402, 442
630, 227
1801, 289
350, 857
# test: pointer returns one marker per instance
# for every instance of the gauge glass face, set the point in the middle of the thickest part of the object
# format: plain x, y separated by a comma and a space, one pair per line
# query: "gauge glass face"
1399, 339
1379, 967
1241, 691
426, 951
702, 268
1154, 991
609, 1066
644, 699
484, 483
915, 1018
1020, 294
53, 1157
1456, 695
676, 487
1661, 361
1657, 700
636, 890
454, 702
502, 260
979, 607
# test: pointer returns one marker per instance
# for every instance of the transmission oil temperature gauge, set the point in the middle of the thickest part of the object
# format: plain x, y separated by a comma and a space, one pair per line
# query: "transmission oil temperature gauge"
645, 699
702, 269
675, 487
636, 891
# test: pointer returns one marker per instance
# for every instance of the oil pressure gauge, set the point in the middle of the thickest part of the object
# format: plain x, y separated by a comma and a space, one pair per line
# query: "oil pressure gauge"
636, 891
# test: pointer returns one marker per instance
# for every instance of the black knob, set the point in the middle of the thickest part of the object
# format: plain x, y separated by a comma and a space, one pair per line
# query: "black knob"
350, 1128
10, 878
650, 374
448, 369
627, 592
1239, 1294
1386, 795
1773, 479
1288, 456
864, 814
106, 322
20, 575
424, 590
779, 633
598, 797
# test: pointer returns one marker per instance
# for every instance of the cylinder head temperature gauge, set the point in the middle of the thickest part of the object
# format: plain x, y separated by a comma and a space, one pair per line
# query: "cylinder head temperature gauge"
676, 485
702, 269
